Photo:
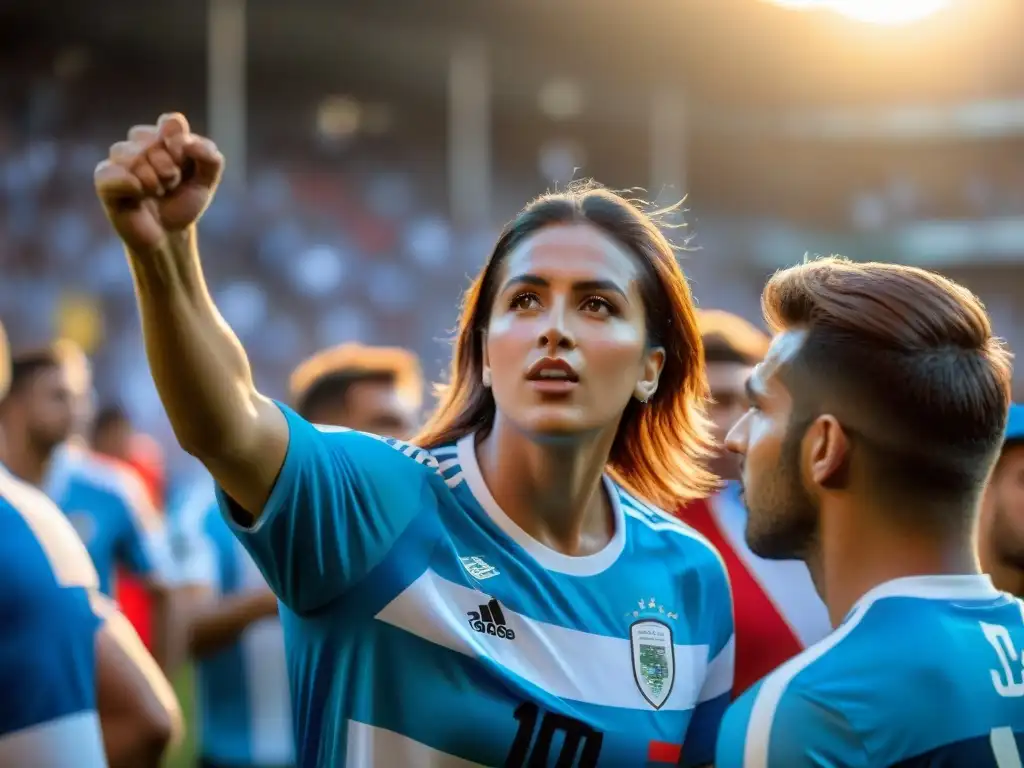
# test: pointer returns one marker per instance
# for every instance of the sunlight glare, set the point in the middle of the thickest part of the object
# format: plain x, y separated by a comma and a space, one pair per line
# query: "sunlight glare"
888, 12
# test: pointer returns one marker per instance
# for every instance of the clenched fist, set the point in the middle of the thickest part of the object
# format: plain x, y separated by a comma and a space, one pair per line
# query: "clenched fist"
158, 182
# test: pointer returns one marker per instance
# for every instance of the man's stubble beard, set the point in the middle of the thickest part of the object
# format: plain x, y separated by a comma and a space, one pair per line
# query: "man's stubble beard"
790, 510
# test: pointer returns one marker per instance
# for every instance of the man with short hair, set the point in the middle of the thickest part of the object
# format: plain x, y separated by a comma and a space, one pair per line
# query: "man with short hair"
778, 612
108, 505
1001, 526
112, 433
369, 389
875, 420
78, 688
233, 631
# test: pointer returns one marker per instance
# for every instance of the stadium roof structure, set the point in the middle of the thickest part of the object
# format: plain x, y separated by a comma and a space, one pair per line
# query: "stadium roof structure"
722, 51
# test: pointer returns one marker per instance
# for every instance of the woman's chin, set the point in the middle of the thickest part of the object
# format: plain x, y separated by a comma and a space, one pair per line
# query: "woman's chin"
557, 423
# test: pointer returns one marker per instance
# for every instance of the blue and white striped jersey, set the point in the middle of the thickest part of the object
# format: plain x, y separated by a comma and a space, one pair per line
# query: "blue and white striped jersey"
424, 628
925, 671
244, 714
111, 510
48, 631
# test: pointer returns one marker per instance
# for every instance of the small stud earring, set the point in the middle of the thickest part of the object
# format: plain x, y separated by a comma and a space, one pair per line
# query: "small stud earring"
487, 379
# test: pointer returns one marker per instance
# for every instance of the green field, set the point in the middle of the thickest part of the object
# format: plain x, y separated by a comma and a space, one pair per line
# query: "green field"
184, 755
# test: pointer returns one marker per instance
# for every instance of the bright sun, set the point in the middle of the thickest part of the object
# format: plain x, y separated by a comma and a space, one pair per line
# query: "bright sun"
872, 11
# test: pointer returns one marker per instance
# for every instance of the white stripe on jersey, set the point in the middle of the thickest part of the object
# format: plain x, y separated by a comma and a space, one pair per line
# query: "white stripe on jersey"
721, 672
370, 746
762, 714
601, 668
124, 483
69, 560
70, 740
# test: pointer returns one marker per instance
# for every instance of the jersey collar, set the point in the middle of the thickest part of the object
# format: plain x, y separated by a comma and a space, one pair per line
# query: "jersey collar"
588, 565
946, 587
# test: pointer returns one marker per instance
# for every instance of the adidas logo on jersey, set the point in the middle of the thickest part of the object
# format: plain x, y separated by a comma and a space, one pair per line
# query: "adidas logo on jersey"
490, 620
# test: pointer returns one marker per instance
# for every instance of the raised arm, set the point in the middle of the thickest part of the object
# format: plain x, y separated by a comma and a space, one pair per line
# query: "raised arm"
154, 187
342, 500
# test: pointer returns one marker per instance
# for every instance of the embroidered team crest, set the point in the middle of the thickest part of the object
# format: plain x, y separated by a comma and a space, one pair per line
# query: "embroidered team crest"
654, 653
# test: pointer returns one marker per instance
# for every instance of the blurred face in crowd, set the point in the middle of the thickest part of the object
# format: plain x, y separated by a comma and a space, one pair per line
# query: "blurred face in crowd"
115, 439
46, 406
566, 347
729, 403
1001, 524
782, 515
373, 406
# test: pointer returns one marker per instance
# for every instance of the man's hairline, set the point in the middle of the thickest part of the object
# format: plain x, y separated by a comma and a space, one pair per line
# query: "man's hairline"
360, 376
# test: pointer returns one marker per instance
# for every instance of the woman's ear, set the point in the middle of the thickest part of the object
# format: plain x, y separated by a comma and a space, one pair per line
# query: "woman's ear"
650, 373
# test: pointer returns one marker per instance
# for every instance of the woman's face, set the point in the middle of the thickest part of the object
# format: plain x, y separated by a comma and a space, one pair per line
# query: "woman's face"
566, 347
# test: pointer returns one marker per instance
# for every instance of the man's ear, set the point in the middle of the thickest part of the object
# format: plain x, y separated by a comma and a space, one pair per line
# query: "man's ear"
827, 448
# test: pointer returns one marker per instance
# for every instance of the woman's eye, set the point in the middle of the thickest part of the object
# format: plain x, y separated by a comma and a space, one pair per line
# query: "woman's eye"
524, 301
597, 305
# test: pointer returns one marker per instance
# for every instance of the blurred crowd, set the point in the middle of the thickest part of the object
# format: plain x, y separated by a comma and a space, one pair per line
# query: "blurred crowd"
345, 237
300, 258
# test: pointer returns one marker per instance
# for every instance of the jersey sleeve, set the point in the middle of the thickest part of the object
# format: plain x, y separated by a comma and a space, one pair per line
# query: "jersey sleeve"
788, 728
341, 501
715, 693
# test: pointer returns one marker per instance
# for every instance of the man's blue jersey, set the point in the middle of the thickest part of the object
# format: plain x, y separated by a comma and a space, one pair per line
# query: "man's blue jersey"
925, 671
424, 628
111, 510
48, 631
242, 690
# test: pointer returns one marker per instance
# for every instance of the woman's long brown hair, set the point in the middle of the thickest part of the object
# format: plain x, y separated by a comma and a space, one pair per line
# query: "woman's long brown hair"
661, 449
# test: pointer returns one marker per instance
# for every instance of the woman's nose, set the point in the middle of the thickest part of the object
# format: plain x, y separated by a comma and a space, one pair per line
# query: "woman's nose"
557, 334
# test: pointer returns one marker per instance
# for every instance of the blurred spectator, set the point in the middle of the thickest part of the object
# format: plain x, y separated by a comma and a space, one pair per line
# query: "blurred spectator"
114, 437
112, 433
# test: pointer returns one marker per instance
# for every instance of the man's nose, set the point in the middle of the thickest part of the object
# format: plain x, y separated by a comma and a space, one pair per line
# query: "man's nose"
736, 439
